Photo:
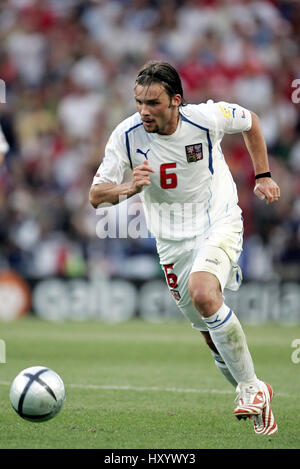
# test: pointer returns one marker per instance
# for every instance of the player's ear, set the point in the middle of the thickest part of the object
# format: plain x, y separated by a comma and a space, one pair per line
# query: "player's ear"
176, 100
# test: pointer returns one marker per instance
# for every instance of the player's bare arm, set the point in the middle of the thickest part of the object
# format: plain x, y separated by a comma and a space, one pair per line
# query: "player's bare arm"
111, 193
265, 188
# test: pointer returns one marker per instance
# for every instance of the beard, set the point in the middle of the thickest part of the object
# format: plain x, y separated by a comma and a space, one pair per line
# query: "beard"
151, 129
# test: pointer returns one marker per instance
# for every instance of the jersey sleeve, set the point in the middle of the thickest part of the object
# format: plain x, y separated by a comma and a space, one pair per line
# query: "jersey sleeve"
115, 162
231, 118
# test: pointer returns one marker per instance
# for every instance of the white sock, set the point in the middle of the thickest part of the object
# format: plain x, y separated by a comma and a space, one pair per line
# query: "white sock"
221, 365
228, 336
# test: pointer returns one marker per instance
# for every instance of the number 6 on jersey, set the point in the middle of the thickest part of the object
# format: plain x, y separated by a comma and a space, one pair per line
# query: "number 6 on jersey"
167, 180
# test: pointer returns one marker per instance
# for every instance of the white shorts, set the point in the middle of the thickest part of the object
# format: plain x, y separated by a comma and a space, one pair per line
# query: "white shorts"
185, 258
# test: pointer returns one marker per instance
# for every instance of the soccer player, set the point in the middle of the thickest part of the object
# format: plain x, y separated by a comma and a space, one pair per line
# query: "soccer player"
191, 207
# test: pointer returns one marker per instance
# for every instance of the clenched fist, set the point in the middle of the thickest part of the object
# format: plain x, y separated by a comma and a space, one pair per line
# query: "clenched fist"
267, 189
141, 176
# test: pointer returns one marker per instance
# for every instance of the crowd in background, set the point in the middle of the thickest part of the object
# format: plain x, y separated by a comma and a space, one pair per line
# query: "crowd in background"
69, 68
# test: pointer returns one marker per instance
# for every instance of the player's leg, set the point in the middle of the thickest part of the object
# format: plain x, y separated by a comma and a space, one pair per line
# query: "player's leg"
225, 329
220, 364
177, 275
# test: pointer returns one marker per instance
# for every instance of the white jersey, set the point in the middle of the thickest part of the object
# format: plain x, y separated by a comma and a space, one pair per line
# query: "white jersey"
192, 188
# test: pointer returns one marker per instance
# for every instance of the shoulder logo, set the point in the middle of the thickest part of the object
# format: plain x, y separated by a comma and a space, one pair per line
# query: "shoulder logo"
227, 112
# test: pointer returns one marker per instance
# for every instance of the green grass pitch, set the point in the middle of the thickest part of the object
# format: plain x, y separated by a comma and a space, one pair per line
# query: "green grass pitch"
139, 385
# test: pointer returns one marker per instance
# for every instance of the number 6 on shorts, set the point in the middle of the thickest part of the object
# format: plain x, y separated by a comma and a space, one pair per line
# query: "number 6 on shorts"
171, 277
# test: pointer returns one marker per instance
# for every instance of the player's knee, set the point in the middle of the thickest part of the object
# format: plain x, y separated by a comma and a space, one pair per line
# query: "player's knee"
203, 296
205, 292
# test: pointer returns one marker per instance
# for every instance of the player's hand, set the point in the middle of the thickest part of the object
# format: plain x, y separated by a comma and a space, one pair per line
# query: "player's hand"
267, 189
141, 176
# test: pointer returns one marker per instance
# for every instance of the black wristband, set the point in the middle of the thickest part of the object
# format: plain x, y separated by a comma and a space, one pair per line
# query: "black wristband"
263, 175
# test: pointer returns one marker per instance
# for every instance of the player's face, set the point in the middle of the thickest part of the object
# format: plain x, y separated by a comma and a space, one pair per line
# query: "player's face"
158, 111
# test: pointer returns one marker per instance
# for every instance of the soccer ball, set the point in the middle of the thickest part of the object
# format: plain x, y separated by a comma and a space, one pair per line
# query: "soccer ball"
37, 394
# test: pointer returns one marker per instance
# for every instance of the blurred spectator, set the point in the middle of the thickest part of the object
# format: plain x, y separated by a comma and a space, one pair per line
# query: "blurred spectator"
3, 146
69, 69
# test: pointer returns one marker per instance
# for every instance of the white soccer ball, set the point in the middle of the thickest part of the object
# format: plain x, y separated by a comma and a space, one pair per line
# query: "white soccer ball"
37, 394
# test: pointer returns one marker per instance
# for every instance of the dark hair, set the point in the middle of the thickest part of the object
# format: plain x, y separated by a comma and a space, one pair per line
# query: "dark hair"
164, 73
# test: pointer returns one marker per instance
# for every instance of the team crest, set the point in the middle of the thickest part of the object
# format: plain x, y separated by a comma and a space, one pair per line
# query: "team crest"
194, 152
176, 294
